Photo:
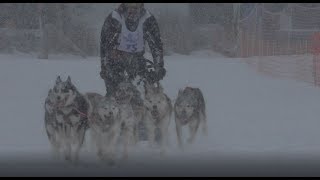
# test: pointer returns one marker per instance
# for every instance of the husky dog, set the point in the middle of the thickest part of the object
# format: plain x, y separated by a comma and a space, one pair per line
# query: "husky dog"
189, 109
51, 124
105, 124
65, 118
158, 113
132, 111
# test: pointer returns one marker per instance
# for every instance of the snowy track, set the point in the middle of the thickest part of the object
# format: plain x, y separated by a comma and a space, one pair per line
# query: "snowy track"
256, 124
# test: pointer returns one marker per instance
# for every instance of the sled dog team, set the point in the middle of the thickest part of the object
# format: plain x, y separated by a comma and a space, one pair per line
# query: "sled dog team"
115, 121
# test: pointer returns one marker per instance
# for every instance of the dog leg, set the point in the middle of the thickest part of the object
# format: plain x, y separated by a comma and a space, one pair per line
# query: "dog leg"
55, 146
125, 151
99, 152
167, 135
193, 127
102, 146
164, 140
54, 141
95, 142
179, 133
103, 151
67, 152
128, 139
75, 153
67, 142
151, 132
204, 125
136, 133
106, 154
164, 127
112, 148
76, 144
55, 151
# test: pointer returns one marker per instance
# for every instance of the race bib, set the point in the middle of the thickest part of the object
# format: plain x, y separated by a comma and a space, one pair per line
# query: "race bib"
131, 42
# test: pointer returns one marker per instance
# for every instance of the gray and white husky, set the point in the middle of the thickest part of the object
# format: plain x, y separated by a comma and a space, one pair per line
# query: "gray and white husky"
131, 112
189, 109
158, 113
105, 125
66, 119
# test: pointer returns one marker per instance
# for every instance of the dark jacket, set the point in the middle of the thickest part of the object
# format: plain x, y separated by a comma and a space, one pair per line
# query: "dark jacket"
112, 28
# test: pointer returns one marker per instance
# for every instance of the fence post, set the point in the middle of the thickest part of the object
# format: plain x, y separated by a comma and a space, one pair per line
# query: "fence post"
273, 48
44, 48
316, 59
267, 47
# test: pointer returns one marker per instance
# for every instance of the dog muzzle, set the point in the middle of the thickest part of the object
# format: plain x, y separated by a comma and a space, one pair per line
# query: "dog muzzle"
107, 122
61, 104
184, 121
155, 113
183, 118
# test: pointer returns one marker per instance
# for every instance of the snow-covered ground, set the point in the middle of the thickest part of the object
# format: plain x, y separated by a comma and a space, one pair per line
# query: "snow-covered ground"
257, 125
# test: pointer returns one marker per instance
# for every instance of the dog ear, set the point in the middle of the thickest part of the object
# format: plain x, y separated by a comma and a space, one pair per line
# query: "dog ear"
69, 79
50, 91
58, 80
180, 93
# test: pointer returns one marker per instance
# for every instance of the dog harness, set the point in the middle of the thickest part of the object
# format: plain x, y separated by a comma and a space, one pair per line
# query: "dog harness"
131, 41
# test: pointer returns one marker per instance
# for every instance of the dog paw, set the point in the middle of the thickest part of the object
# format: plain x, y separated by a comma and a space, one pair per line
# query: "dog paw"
162, 153
100, 155
107, 160
189, 141
67, 158
150, 145
205, 132
180, 146
111, 162
125, 157
75, 163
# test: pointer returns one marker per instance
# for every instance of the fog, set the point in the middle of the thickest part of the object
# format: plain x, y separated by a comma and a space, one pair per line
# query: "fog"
223, 27
257, 64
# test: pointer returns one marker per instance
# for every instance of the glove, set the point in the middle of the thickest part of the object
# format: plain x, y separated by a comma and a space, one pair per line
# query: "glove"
103, 74
160, 72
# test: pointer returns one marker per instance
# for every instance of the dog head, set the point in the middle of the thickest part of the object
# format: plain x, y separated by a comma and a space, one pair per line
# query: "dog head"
186, 104
64, 92
155, 99
108, 111
125, 92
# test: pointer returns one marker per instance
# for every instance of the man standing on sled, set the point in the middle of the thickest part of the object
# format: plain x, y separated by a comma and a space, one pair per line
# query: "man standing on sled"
122, 46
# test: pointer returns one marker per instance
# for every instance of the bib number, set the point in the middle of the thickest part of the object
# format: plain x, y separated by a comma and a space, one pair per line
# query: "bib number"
131, 42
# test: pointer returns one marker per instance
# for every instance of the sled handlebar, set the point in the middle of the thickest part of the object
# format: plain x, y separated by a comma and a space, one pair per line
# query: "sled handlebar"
151, 63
